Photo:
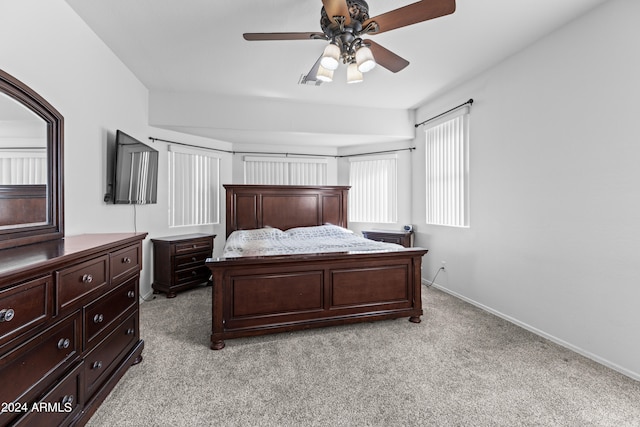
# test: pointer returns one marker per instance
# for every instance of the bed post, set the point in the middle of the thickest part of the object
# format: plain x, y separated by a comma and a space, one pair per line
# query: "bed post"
217, 303
417, 290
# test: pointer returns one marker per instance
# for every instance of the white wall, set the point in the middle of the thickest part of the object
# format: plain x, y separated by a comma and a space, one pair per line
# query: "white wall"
554, 242
48, 47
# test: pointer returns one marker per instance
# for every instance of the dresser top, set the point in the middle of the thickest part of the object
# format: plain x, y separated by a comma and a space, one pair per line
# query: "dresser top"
14, 261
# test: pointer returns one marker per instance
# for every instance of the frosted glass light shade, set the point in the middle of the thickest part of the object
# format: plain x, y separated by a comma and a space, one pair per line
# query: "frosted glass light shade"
324, 74
330, 57
364, 59
353, 74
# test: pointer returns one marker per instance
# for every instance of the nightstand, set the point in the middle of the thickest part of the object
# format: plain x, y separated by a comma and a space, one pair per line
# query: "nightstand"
404, 238
179, 262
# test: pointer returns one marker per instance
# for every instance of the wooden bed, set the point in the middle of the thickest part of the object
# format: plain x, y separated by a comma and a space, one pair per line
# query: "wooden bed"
278, 293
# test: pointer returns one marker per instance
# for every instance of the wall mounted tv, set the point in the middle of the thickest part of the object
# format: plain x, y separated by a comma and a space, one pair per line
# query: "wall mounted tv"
135, 178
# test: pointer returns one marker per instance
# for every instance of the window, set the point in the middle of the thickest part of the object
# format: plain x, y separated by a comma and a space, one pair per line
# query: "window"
285, 171
447, 170
373, 193
193, 187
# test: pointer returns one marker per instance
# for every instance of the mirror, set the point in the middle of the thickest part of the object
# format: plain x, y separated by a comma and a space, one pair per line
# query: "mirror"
31, 182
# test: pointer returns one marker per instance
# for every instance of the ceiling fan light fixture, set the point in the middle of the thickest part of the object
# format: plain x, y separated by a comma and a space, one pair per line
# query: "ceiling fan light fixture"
365, 60
330, 57
353, 74
324, 74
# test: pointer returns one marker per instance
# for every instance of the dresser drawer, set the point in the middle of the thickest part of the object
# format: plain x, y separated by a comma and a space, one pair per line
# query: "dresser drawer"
124, 263
24, 307
75, 282
187, 261
25, 368
102, 313
194, 245
104, 358
60, 405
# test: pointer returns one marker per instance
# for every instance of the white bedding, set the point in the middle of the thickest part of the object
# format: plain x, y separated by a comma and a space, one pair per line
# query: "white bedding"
301, 240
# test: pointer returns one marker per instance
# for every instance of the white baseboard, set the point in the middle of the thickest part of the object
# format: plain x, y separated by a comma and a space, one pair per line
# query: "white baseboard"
587, 354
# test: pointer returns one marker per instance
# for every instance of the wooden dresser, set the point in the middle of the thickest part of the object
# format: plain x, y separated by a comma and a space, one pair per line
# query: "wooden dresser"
178, 262
404, 238
69, 325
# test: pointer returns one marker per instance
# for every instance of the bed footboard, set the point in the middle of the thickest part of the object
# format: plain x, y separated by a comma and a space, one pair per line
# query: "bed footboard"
256, 296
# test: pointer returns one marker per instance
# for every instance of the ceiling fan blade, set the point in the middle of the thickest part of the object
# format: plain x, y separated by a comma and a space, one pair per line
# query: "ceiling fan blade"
385, 58
283, 36
412, 14
337, 8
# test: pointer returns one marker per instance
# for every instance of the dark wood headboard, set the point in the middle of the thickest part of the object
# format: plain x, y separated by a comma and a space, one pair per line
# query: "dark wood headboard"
285, 206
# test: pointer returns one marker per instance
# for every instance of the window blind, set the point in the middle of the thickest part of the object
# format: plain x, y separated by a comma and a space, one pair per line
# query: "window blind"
284, 171
447, 170
373, 193
23, 167
194, 183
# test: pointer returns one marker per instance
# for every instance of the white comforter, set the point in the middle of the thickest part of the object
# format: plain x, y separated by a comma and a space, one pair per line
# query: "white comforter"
301, 240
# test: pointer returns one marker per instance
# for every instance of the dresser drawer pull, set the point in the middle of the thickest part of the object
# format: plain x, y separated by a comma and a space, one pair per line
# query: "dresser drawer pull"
194, 259
63, 343
131, 294
195, 246
126, 260
130, 331
96, 365
6, 314
194, 273
87, 278
68, 399
98, 318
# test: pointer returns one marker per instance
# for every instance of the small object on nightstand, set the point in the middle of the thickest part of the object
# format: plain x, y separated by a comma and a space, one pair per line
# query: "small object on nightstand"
404, 238
178, 262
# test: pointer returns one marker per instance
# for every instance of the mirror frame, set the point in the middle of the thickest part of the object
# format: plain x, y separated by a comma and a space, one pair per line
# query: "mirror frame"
54, 228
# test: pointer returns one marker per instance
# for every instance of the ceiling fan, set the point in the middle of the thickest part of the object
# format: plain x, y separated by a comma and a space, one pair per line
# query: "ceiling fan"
345, 22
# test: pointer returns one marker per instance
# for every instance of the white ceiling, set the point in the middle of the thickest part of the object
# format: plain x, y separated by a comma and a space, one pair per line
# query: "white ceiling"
196, 46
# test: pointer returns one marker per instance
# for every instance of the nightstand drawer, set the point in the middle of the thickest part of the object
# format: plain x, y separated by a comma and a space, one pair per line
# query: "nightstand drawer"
194, 246
199, 274
186, 261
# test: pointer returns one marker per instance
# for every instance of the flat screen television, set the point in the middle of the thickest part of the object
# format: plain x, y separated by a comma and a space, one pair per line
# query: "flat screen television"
135, 178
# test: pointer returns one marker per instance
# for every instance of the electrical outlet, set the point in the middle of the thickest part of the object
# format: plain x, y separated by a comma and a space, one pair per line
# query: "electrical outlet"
444, 265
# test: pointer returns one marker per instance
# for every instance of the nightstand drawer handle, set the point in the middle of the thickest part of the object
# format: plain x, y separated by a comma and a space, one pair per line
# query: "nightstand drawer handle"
126, 260
6, 314
87, 278
98, 318
63, 343
68, 399
131, 294
96, 365
131, 331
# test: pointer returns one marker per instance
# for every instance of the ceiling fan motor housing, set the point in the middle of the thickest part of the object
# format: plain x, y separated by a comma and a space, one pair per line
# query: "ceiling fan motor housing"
358, 11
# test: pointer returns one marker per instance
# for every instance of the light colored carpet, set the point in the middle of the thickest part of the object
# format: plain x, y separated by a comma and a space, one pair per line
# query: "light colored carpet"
460, 367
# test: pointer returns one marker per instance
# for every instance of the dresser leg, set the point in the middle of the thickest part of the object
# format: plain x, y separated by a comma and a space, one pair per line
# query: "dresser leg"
217, 345
171, 294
